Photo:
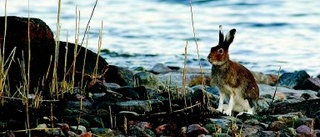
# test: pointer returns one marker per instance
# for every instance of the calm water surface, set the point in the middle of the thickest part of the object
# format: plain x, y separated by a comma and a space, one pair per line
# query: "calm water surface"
270, 33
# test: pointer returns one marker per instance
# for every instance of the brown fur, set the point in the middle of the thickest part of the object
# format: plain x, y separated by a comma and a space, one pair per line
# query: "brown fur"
230, 76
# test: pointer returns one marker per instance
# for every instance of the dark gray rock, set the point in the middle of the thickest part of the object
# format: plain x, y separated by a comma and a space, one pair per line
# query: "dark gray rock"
293, 80
42, 49
119, 75
194, 130
139, 106
135, 93
111, 86
73, 120
311, 84
266, 134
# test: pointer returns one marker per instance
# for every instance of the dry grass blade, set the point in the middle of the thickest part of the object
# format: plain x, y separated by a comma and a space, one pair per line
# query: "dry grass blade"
275, 91
184, 81
88, 23
198, 55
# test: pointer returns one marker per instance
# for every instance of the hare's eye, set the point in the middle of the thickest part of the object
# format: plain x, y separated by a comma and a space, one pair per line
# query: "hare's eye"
220, 51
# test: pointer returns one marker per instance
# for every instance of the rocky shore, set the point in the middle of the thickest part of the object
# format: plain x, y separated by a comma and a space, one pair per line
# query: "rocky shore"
117, 101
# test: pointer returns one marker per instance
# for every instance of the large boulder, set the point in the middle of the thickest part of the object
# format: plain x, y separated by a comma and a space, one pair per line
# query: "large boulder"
42, 49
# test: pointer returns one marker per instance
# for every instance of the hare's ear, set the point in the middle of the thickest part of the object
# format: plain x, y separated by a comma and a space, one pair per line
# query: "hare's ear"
221, 36
230, 37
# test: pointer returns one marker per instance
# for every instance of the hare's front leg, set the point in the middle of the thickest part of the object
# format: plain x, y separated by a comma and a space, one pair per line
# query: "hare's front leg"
221, 99
228, 111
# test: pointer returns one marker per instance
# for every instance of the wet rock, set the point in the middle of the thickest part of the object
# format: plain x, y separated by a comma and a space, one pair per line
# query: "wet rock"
311, 83
195, 130
160, 68
136, 93
139, 106
112, 86
148, 80
86, 60
96, 96
119, 75
78, 104
293, 80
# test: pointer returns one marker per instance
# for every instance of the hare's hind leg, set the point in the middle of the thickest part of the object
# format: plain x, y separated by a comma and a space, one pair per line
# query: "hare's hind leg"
221, 99
246, 108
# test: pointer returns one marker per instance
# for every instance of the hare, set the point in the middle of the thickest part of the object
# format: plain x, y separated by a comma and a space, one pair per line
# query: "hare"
234, 80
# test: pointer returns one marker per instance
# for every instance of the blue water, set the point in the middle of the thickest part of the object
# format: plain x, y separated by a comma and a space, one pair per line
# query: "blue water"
270, 33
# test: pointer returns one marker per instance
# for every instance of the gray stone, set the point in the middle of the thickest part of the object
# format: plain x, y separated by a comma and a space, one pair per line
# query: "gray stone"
175, 78
250, 130
293, 80
160, 68
78, 129
266, 134
216, 123
194, 130
111, 86
148, 80
119, 75
139, 106
287, 92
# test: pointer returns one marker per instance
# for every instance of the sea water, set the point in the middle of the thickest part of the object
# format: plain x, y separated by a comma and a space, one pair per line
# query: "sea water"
140, 33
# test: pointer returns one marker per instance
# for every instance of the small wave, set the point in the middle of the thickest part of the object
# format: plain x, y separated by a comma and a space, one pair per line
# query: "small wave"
256, 24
